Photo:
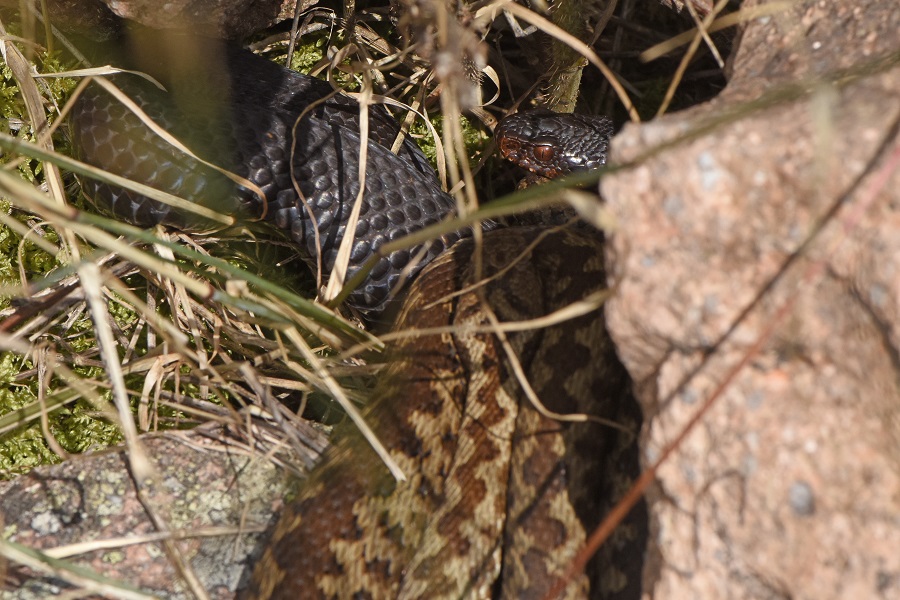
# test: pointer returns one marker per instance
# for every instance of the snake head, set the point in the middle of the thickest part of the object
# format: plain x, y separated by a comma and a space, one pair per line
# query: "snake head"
554, 144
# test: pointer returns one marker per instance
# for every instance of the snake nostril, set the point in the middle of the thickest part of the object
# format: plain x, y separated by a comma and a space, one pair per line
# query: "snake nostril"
508, 146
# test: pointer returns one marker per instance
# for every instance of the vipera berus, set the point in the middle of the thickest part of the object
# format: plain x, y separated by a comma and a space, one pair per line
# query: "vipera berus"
499, 497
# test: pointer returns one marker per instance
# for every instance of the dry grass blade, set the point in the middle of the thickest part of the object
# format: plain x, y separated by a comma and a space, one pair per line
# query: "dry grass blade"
21, 70
89, 274
494, 326
141, 467
342, 262
85, 579
70, 550
574, 310
98, 72
338, 394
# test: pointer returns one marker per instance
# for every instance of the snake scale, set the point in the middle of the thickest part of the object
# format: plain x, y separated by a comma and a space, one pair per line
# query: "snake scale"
499, 497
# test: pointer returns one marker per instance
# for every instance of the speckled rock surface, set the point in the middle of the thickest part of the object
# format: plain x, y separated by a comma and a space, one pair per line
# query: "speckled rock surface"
789, 486
215, 502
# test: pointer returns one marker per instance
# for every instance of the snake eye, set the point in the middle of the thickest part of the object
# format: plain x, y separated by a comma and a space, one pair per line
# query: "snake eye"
544, 152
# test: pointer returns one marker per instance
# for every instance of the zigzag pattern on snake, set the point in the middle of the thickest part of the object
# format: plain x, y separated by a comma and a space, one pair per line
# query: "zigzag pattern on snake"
499, 497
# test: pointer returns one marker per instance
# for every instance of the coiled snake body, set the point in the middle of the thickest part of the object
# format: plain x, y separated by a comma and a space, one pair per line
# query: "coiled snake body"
242, 114
498, 496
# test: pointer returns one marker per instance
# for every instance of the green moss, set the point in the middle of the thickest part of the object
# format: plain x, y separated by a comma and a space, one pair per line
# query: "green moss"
77, 426
77, 430
12, 107
308, 55
11, 104
475, 140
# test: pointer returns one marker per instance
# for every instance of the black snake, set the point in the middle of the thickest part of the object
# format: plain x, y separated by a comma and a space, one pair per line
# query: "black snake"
241, 113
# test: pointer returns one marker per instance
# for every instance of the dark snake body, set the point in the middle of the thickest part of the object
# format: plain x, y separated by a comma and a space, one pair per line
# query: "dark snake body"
243, 113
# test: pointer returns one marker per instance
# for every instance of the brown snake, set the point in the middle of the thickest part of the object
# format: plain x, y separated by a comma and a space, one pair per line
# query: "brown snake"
498, 497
